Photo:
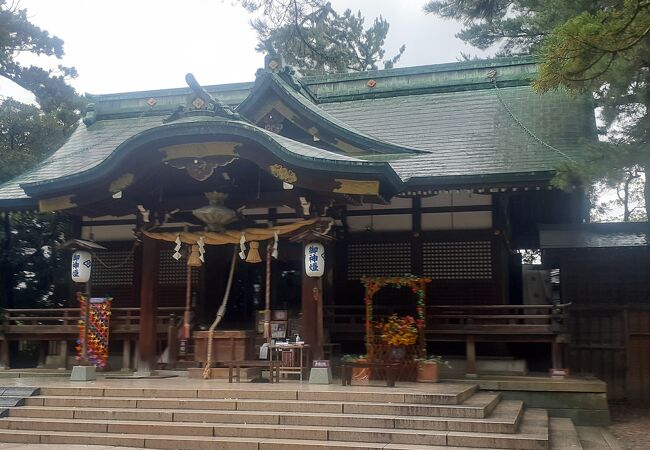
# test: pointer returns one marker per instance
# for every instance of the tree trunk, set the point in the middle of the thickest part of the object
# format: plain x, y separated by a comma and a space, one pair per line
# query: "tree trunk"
646, 192
7, 277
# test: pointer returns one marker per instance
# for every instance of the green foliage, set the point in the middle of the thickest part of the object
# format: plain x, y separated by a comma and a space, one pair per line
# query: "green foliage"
601, 47
33, 273
40, 273
315, 39
18, 35
27, 135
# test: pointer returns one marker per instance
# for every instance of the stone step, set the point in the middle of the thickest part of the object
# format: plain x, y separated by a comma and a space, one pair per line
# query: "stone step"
478, 406
563, 434
504, 418
438, 394
196, 442
532, 435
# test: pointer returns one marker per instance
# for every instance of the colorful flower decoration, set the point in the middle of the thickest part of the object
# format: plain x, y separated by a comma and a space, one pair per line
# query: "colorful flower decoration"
98, 330
398, 331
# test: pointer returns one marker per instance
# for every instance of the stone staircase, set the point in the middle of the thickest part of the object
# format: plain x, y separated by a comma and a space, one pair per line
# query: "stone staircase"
266, 417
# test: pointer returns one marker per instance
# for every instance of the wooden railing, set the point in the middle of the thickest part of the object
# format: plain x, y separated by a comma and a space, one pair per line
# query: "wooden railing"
64, 321
461, 319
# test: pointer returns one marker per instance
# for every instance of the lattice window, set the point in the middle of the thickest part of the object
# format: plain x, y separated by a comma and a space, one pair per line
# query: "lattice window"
462, 260
116, 270
172, 272
377, 259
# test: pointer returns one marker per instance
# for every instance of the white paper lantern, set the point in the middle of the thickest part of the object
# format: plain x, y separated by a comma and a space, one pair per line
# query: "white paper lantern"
314, 259
82, 263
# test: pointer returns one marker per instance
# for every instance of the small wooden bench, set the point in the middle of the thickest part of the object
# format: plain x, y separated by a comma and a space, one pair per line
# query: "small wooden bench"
273, 366
392, 371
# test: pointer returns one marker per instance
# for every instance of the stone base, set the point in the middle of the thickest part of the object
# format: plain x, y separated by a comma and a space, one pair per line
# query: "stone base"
320, 375
222, 373
83, 373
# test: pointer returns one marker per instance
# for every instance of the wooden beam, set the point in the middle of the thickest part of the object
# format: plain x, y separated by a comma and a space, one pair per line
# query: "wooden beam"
147, 338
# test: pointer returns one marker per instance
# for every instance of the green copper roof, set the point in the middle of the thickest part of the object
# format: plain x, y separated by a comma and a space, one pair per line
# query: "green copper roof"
450, 113
471, 132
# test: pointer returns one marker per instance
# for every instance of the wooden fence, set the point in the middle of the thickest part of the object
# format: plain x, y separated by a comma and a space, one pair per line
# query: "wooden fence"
613, 343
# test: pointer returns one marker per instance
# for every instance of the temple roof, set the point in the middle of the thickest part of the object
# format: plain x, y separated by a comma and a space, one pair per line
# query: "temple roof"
595, 235
434, 125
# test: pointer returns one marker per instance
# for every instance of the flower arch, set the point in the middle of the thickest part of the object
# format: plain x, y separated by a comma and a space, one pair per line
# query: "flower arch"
416, 284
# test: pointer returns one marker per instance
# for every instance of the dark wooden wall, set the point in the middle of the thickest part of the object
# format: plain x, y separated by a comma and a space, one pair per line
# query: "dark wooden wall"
610, 319
116, 273
466, 267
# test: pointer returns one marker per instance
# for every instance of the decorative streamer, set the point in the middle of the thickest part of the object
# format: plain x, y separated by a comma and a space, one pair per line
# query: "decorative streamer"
275, 245
201, 244
177, 248
242, 246
98, 329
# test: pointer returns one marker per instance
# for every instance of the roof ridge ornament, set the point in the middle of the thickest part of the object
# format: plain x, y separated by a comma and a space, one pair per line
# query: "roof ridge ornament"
218, 107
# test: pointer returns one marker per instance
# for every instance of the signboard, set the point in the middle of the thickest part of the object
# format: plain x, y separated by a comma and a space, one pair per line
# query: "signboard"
321, 363
559, 373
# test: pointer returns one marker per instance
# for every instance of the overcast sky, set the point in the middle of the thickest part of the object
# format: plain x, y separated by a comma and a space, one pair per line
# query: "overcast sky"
129, 45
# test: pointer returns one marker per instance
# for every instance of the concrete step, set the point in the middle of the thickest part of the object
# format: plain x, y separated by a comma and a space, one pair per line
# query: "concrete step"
477, 406
437, 394
197, 442
504, 418
529, 439
563, 434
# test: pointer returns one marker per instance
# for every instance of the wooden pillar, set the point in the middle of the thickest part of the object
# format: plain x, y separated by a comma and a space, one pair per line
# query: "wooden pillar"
63, 353
126, 355
5, 362
470, 345
147, 338
556, 354
312, 314
42, 353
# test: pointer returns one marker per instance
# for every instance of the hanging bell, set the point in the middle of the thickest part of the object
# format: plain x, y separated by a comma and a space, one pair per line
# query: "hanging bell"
254, 253
195, 259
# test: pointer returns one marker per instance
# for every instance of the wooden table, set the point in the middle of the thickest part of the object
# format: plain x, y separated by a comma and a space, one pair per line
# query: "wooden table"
273, 367
299, 350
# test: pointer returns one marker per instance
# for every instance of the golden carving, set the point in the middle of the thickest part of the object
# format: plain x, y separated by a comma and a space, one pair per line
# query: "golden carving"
283, 174
56, 203
121, 183
356, 187
199, 150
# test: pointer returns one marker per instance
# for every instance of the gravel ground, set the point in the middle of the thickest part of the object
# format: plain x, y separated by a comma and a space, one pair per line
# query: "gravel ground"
631, 426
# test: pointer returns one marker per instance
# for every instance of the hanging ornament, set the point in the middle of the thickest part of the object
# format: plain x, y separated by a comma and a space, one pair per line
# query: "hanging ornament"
201, 244
254, 253
242, 246
275, 245
82, 262
177, 254
314, 259
194, 260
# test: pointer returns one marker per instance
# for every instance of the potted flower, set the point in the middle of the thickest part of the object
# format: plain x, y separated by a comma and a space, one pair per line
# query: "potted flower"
360, 375
428, 368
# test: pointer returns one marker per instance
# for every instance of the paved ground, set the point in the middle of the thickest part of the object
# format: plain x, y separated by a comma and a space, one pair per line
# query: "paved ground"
631, 426
60, 447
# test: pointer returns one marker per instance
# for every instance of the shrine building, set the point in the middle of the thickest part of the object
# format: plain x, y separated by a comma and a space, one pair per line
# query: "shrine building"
441, 173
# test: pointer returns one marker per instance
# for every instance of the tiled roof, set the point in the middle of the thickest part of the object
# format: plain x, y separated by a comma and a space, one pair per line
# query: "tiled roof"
470, 132
450, 112
595, 235
89, 146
